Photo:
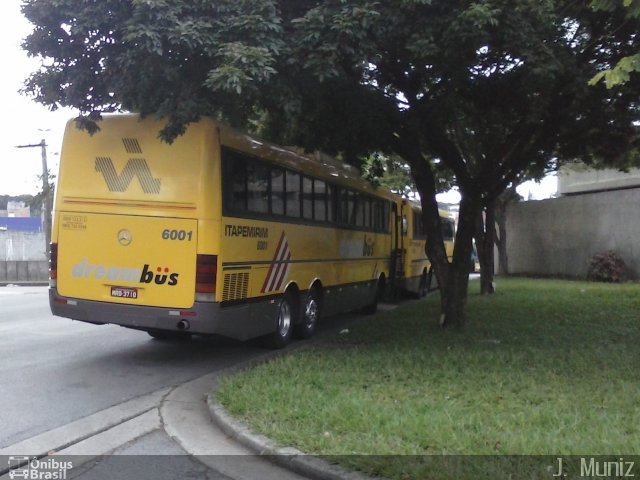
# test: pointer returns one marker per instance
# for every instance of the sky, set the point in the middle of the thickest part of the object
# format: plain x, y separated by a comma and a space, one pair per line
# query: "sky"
27, 122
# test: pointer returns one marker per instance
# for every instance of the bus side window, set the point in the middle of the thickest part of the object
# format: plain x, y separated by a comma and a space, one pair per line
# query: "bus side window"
381, 216
359, 209
418, 226
367, 212
351, 207
277, 191
320, 200
378, 220
257, 187
307, 198
331, 203
343, 206
238, 200
293, 194
447, 230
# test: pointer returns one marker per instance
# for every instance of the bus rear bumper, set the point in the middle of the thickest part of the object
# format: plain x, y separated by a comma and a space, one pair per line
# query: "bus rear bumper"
237, 322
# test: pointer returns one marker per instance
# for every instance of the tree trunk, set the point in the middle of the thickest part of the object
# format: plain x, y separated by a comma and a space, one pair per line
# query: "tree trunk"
501, 232
485, 236
501, 243
453, 293
453, 278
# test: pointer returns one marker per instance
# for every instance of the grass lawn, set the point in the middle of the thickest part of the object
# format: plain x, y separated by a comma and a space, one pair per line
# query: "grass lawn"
542, 368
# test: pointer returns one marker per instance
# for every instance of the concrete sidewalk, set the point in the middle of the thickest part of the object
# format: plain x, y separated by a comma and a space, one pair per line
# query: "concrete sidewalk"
186, 418
190, 416
193, 417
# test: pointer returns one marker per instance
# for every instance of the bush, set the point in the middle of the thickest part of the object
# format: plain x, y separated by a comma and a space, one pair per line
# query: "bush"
606, 267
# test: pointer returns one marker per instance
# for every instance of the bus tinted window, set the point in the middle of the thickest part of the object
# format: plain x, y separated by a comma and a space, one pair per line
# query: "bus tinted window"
293, 194
367, 212
359, 209
343, 205
320, 200
277, 191
257, 188
238, 200
260, 188
447, 230
418, 226
380, 216
307, 198
331, 203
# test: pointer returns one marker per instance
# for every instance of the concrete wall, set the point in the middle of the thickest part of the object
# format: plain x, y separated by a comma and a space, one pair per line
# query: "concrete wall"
559, 236
23, 271
23, 257
578, 178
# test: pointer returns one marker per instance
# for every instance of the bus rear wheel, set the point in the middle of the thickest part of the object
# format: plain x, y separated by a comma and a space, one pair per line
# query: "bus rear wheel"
423, 287
371, 308
310, 315
281, 337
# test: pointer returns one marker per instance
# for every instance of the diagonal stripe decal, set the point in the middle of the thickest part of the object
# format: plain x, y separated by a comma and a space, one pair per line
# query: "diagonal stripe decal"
280, 267
135, 167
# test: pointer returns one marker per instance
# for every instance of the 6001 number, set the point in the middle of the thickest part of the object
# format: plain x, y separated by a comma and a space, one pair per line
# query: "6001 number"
179, 235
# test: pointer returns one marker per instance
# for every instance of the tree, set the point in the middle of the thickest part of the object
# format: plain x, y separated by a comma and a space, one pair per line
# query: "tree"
508, 197
619, 73
393, 173
483, 90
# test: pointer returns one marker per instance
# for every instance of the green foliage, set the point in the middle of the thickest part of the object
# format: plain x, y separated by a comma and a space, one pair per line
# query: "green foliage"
4, 199
607, 266
632, 6
619, 73
484, 93
475, 83
389, 172
177, 59
394, 173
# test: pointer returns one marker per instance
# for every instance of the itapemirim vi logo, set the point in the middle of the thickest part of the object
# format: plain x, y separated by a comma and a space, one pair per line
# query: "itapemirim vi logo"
34, 468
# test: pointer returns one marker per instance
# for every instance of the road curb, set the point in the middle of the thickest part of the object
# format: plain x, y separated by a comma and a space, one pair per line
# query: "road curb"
287, 457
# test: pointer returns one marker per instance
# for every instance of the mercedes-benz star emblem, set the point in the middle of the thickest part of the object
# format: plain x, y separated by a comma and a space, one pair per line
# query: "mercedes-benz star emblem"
124, 237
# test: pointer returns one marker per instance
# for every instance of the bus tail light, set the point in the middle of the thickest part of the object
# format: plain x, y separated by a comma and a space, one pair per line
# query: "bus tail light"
53, 265
206, 274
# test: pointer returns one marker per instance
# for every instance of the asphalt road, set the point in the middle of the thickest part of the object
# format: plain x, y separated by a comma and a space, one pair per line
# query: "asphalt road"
55, 370
88, 389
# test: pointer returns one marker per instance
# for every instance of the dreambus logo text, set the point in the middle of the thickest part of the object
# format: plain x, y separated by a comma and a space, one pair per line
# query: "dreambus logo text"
159, 275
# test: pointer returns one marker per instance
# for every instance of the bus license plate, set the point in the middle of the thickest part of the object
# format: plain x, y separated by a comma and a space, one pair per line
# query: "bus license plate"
120, 292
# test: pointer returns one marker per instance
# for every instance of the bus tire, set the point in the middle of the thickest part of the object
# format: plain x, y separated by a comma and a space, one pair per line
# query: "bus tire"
423, 286
430, 281
373, 306
281, 336
310, 315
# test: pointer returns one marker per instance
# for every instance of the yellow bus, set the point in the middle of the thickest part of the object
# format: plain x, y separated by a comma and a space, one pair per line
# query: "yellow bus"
217, 233
416, 276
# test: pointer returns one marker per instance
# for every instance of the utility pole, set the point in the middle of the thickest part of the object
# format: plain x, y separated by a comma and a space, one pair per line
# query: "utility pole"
46, 192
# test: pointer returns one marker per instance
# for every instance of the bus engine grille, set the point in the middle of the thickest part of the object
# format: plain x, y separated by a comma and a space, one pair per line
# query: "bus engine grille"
236, 286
